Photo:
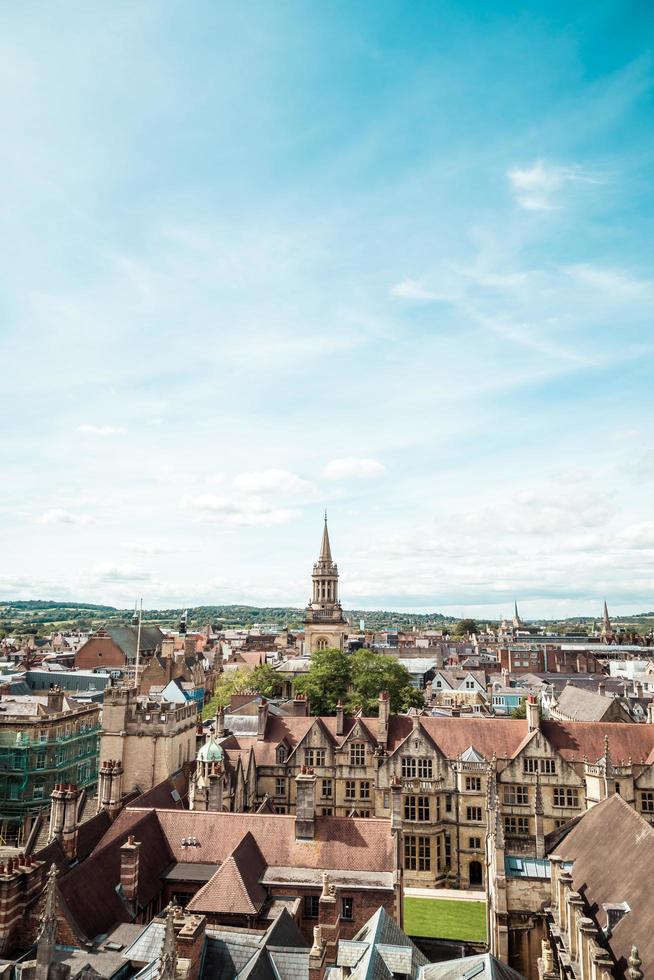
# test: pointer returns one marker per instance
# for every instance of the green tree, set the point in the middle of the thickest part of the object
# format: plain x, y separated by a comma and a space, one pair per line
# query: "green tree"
230, 682
466, 626
327, 682
267, 681
374, 672
521, 710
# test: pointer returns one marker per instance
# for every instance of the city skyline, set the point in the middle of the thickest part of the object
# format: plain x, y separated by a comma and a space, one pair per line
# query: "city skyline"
392, 261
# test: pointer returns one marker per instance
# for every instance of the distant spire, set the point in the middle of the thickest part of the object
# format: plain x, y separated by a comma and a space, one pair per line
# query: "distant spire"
607, 621
325, 549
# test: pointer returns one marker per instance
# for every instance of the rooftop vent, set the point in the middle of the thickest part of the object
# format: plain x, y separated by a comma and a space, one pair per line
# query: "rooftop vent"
614, 913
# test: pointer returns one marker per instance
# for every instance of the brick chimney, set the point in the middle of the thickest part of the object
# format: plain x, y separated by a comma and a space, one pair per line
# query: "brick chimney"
384, 713
340, 718
601, 688
190, 941
129, 869
305, 805
262, 718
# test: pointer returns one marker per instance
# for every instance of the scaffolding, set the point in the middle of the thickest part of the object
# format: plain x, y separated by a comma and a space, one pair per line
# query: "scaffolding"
31, 764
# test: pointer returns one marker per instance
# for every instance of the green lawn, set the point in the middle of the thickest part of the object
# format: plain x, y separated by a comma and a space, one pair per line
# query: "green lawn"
444, 918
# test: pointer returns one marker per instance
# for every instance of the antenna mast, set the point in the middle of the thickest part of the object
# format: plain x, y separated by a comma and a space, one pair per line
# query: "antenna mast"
138, 646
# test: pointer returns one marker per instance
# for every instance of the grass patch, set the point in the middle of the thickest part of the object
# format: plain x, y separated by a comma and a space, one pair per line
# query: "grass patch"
444, 918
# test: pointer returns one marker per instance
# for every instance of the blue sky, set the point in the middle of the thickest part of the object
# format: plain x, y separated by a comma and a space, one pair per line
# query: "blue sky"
394, 259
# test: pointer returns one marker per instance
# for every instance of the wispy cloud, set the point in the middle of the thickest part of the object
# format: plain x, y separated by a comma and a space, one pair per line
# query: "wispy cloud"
539, 187
416, 289
101, 430
247, 511
353, 468
273, 481
58, 515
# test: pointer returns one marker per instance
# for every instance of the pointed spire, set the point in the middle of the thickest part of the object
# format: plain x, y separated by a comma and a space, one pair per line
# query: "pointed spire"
46, 939
325, 549
167, 966
516, 614
607, 621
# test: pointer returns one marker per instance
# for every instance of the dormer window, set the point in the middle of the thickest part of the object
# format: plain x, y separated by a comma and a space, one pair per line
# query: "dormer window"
281, 754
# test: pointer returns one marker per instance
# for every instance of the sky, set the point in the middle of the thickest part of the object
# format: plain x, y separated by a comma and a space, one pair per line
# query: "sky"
392, 259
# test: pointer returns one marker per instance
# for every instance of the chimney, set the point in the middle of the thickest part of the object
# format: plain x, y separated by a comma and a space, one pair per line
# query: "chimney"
220, 722
601, 688
116, 792
190, 643
305, 805
58, 797
339, 718
639, 689
650, 712
262, 718
55, 698
190, 943
506, 677
300, 706
168, 647
69, 837
533, 714
129, 869
396, 804
215, 798
384, 712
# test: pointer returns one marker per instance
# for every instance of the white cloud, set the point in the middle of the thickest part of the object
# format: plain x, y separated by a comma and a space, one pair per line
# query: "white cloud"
416, 289
353, 467
222, 509
273, 481
57, 515
101, 430
538, 187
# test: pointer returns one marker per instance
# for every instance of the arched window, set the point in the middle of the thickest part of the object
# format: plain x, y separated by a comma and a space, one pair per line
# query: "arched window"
281, 754
321, 644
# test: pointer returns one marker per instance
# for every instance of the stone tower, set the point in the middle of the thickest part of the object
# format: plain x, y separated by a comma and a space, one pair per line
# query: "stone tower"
324, 623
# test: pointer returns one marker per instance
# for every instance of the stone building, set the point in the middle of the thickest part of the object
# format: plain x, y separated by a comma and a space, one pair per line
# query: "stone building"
325, 625
581, 909
430, 775
45, 740
145, 739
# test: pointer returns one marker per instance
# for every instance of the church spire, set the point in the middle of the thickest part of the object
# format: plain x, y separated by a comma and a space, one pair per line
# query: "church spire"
607, 621
325, 549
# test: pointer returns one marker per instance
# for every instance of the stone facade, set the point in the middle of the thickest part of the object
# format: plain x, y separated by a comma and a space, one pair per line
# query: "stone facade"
148, 739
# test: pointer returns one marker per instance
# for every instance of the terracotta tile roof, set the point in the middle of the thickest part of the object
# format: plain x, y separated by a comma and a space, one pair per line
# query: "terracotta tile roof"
356, 843
234, 889
89, 889
576, 739
619, 873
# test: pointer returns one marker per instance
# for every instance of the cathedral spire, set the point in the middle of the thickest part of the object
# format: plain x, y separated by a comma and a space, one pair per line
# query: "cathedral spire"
325, 549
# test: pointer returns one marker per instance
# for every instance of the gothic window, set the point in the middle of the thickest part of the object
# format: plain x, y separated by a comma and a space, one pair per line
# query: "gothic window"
281, 754
516, 826
408, 768
358, 754
566, 796
516, 796
425, 768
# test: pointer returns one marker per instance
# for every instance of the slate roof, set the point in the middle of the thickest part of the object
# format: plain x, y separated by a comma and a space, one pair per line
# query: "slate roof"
481, 967
280, 953
125, 637
583, 705
621, 872
380, 950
